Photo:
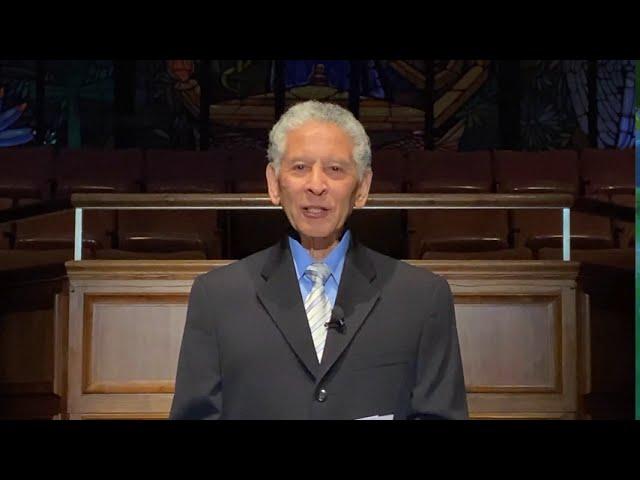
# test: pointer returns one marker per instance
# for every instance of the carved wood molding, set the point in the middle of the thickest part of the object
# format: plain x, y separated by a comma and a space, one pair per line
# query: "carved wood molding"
188, 269
501, 269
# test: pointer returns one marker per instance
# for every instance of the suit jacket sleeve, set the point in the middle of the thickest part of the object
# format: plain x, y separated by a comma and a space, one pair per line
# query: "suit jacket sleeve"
198, 392
439, 391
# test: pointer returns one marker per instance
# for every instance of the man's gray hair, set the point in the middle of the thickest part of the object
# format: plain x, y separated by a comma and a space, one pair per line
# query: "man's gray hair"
303, 112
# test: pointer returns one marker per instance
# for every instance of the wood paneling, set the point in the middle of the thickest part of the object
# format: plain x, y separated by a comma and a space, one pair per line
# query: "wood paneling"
516, 322
510, 343
131, 342
526, 352
26, 352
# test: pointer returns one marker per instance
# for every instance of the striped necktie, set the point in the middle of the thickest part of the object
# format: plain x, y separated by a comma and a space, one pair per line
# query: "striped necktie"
317, 305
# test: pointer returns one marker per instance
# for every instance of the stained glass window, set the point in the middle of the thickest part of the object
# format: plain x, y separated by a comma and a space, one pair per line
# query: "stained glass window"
615, 93
167, 105
243, 108
79, 103
393, 102
616, 79
548, 117
17, 99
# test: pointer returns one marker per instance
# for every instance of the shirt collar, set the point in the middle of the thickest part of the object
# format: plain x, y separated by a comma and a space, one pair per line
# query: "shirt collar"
335, 260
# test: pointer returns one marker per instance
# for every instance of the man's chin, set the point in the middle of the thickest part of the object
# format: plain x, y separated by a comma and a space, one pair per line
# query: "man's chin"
317, 233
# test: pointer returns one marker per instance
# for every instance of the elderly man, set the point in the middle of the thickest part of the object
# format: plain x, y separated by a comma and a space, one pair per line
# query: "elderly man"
319, 326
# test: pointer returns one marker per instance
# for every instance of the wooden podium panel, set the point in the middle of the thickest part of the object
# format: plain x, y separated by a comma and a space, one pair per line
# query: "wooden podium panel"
124, 341
510, 343
519, 353
516, 323
131, 342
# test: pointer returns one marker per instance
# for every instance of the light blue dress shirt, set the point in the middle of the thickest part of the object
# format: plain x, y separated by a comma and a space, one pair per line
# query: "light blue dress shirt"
335, 261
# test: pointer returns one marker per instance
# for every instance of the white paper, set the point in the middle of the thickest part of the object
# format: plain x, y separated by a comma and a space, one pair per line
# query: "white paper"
378, 417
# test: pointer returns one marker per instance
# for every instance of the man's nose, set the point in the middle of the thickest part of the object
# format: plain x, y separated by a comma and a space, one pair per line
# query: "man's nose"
317, 182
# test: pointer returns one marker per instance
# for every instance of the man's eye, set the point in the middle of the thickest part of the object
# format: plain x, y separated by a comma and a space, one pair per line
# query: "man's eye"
299, 167
335, 168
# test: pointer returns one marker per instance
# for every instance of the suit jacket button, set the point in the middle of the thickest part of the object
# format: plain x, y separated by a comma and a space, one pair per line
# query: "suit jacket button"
322, 395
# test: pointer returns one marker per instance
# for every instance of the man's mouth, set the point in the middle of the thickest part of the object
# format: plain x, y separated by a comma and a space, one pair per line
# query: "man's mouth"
314, 212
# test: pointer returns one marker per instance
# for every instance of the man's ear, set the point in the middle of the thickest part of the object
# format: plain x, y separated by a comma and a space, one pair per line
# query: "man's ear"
272, 184
362, 192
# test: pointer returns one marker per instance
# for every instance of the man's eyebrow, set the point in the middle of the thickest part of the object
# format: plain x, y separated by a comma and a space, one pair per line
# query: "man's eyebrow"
341, 160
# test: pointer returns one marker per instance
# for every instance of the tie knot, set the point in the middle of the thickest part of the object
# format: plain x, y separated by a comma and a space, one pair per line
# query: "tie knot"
318, 273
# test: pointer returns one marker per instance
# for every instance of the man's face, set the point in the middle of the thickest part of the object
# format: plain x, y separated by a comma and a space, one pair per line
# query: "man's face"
318, 181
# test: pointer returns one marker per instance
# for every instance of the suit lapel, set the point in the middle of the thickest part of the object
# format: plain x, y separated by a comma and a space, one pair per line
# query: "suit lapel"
280, 296
356, 296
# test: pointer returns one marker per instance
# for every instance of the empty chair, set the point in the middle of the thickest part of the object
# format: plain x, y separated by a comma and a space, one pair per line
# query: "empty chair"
537, 229
384, 230
160, 232
252, 230
246, 171
389, 171
457, 230
83, 171
381, 230
450, 172
609, 175
55, 231
186, 171
465, 231
169, 234
624, 231
553, 171
98, 171
610, 172
5, 235
249, 231
26, 175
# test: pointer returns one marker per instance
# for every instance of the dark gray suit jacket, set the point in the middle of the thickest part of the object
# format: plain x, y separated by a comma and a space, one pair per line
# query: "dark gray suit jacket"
247, 351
